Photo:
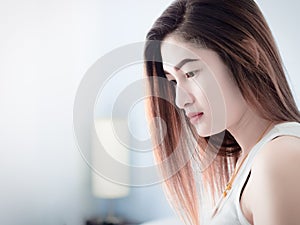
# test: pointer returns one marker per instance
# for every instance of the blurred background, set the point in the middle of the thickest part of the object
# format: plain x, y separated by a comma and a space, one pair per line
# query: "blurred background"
46, 47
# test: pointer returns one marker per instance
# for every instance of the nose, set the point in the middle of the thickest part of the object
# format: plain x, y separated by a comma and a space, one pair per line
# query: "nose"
183, 97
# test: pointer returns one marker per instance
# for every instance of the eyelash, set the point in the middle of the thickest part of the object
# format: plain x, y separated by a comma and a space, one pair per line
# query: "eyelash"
173, 81
187, 75
194, 72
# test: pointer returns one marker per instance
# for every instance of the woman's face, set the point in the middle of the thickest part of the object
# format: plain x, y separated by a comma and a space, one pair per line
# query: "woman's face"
205, 89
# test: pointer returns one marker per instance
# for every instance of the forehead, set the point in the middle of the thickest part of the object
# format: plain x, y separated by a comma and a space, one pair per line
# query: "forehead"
174, 50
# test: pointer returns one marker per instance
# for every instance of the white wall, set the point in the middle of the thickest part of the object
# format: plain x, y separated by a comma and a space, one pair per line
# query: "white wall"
283, 18
45, 49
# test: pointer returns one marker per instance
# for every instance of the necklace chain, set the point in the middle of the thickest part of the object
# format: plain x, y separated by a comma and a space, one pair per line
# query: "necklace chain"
229, 184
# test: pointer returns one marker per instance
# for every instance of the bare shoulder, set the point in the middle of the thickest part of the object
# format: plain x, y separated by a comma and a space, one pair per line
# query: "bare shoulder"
275, 176
280, 152
278, 161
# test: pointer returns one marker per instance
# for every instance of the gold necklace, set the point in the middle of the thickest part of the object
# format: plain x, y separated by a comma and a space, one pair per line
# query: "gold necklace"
229, 184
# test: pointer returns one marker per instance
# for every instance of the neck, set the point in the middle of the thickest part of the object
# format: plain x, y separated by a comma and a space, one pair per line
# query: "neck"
248, 130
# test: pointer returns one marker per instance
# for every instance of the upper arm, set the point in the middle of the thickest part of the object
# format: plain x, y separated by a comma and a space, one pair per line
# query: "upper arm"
276, 179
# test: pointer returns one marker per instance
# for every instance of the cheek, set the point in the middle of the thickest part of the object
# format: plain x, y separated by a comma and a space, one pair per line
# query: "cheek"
212, 91
234, 101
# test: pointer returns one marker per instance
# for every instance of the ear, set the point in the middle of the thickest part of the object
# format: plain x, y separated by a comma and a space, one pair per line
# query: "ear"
252, 47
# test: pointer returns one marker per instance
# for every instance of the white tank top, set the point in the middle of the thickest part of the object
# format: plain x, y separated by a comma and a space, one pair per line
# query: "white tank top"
229, 212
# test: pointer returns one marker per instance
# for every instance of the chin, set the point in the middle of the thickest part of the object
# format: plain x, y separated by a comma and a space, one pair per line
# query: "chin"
203, 132
207, 131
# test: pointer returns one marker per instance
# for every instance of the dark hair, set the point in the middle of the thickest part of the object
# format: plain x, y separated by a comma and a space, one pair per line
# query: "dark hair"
237, 31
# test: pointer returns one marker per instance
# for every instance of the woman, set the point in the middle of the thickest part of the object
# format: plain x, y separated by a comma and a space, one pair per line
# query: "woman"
217, 83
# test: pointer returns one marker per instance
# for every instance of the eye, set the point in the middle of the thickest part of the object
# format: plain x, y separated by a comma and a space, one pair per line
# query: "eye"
192, 73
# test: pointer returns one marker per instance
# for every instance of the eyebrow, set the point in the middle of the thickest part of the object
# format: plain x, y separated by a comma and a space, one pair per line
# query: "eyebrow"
184, 61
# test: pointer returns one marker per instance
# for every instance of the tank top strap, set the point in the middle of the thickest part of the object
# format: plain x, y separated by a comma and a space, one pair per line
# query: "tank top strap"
229, 208
285, 128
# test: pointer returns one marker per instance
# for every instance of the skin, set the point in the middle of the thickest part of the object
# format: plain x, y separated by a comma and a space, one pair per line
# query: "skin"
206, 86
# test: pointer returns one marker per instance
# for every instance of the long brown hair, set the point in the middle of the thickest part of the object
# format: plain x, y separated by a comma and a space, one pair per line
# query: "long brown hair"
238, 32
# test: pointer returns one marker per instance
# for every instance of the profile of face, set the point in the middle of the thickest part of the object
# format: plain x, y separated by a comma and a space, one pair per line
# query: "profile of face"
205, 89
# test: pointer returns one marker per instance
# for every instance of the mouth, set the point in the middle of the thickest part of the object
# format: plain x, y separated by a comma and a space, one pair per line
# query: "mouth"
195, 117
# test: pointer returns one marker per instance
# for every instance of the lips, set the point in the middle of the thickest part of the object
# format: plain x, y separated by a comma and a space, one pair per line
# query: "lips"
194, 116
